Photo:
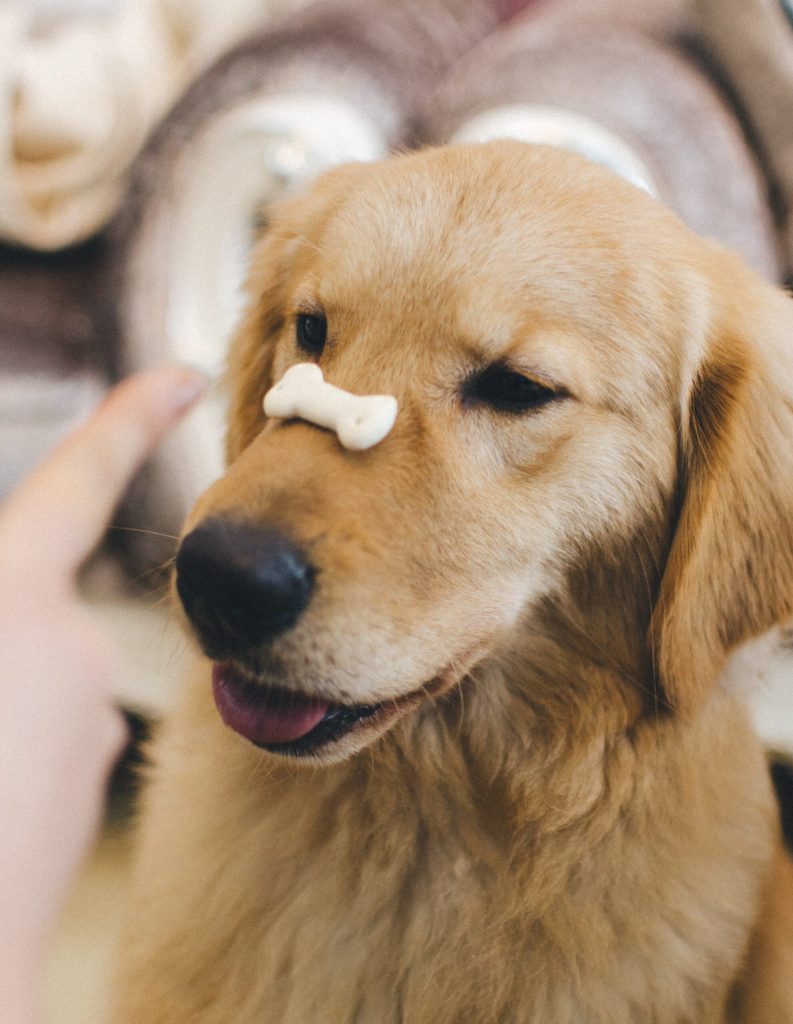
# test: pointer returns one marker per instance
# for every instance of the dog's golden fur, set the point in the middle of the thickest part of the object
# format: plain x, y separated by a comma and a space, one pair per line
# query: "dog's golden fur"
574, 825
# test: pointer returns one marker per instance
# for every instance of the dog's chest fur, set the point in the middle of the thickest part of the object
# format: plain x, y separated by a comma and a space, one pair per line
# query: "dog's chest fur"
384, 894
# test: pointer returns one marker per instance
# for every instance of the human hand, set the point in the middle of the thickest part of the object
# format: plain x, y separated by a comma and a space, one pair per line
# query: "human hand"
59, 731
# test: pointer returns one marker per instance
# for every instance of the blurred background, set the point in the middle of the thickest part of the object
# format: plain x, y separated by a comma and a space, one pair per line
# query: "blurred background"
141, 142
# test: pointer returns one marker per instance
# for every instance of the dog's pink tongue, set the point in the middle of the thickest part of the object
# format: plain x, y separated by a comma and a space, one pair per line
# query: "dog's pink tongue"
263, 714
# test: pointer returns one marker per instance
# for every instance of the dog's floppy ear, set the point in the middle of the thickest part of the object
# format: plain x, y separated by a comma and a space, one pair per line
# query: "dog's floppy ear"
729, 574
251, 357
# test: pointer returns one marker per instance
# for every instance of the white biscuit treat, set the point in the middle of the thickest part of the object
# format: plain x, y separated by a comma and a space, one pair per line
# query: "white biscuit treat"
359, 421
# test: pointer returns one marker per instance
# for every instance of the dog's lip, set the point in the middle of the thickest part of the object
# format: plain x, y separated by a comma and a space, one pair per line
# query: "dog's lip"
290, 722
296, 724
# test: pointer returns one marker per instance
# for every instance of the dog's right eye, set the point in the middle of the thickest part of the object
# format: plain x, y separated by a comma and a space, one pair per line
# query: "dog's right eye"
506, 390
311, 330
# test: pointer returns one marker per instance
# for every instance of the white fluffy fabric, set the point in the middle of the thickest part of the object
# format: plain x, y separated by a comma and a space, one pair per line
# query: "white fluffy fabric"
79, 95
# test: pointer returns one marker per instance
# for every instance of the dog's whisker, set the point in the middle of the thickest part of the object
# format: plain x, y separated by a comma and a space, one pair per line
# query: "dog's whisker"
165, 566
137, 529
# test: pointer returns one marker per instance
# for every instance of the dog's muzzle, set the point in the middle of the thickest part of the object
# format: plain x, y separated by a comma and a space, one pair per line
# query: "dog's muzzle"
242, 587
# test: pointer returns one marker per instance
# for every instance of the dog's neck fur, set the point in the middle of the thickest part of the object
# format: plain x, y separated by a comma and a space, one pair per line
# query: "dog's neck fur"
478, 826
485, 796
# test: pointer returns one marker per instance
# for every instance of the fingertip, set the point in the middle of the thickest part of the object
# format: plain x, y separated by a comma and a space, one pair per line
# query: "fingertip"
85, 476
189, 385
143, 407
173, 388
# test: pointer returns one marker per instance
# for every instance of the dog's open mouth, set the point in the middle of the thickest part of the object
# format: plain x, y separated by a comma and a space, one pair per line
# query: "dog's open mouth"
289, 722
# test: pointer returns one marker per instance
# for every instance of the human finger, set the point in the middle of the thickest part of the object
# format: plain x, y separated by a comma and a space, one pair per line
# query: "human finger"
58, 515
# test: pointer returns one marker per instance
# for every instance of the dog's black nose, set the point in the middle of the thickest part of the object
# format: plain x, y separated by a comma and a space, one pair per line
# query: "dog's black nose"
240, 586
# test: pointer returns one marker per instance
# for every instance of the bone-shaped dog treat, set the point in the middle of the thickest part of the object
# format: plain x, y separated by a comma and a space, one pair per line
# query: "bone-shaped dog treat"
360, 421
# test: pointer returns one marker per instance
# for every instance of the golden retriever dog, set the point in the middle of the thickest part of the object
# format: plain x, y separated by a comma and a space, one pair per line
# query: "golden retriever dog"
456, 750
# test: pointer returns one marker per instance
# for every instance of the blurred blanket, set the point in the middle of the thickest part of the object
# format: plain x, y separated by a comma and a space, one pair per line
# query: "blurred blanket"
752, 41
52, 367
78, 97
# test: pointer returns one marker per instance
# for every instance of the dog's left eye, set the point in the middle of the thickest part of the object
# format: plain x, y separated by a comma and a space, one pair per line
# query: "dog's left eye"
311, 330
506, 390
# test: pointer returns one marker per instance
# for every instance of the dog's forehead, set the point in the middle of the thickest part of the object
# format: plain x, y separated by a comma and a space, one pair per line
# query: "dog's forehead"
426, 229
504, 223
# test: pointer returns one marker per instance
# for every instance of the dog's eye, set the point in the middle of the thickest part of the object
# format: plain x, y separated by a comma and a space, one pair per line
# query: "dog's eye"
506, 390
311, 330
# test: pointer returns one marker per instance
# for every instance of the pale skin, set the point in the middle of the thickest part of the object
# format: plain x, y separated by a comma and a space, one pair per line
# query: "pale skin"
60, 733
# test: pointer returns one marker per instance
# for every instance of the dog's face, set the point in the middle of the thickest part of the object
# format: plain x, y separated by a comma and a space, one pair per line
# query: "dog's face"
544, 329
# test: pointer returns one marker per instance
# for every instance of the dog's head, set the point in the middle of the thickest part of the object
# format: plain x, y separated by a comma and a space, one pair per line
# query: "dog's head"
592, 449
